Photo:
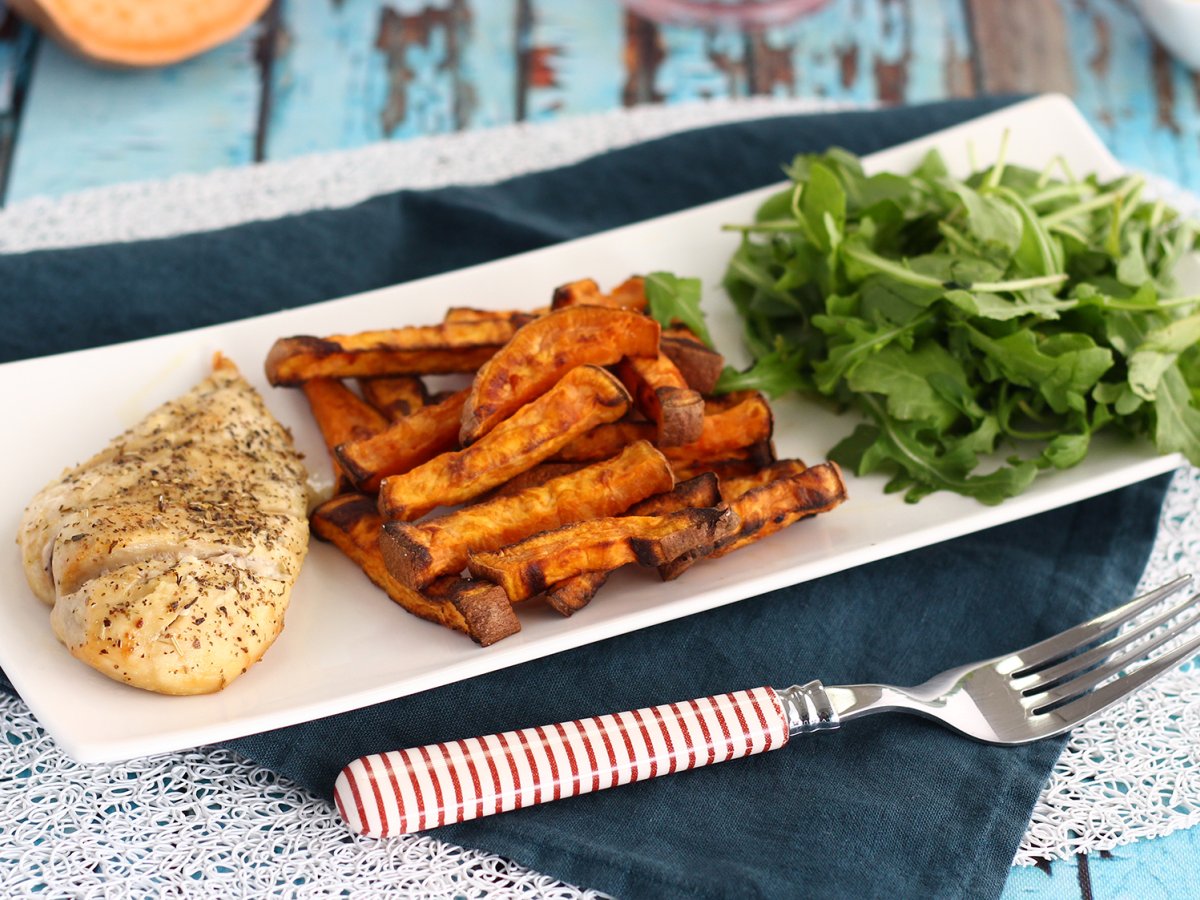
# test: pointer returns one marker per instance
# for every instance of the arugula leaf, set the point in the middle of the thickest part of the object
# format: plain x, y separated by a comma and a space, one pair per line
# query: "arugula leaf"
993, 306
957, 315
1061, 368
898, 442
903, 378
823, 204
994, 223
674, 300
775, 374
1176, 418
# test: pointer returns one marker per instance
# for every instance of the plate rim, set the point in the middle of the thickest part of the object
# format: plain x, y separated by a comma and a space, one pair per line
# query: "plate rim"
475, 662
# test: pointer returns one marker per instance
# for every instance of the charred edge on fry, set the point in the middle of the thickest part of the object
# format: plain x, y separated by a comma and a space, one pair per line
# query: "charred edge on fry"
568, 597
285, 349
343, 514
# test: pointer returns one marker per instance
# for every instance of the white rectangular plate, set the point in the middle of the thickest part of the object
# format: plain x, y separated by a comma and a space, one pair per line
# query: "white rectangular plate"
346, 645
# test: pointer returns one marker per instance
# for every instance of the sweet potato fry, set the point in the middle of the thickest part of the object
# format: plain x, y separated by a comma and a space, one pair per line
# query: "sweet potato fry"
415, 350
584, 292
784, 468
769, 508
700, 365
535, 477
351, 523
470, 314
585, 397
778, 504
569, 596
529, 566
395, 396
341, 416
405, 444
703, 490
739, 465
544, 350
663, 396
629, 294
418, 553
572, 594
726, 427
730, 424
605, 440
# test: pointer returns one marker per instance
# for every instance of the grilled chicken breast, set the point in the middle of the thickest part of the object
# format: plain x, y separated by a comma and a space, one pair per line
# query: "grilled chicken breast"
169, 556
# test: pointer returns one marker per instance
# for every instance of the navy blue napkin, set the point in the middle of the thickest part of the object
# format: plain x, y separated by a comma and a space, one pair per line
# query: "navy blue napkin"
888, 806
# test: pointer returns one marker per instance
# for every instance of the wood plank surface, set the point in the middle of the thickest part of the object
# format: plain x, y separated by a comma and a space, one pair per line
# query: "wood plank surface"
321, 75
83, 125
1145, 106
1023, 47
18, 43
571, 59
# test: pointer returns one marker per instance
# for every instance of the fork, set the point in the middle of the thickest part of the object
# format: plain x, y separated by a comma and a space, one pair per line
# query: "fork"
1037, 692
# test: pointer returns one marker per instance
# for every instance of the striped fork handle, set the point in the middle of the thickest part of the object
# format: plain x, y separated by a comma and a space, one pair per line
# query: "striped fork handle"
425, 787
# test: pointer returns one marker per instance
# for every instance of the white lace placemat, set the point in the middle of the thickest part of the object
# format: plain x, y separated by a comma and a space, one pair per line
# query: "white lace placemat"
207, 823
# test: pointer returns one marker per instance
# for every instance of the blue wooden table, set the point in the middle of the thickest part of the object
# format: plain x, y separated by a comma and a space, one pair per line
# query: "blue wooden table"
320, 75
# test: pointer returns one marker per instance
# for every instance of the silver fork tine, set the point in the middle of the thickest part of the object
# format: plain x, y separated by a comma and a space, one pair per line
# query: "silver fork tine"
1054, 648
1076, 711
1078, 664
1117, 663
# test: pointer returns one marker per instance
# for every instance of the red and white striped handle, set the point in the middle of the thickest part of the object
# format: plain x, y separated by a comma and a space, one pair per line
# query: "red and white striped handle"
438, 784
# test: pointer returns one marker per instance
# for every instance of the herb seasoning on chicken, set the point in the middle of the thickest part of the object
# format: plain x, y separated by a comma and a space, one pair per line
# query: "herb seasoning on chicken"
169, 557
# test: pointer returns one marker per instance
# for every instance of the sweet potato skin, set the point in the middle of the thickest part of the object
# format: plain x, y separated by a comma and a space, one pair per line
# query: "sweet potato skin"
406, 443
543, 351
661, 393
528, 567
413, 350
700, 365
416, 554
585, 397
351, 523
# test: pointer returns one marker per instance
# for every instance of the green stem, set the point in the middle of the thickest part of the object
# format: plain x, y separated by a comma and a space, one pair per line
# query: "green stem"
1097, 202
1018, 284
1170, 303
956, 237
1070, 231
1113, 244
1061, 162
908, 276
997, 171
1156, 214
1179, 301
1056, 192
771, 226
888, 267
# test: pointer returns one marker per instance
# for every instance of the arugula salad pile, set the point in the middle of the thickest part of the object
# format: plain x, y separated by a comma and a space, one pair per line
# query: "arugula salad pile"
1017, 312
